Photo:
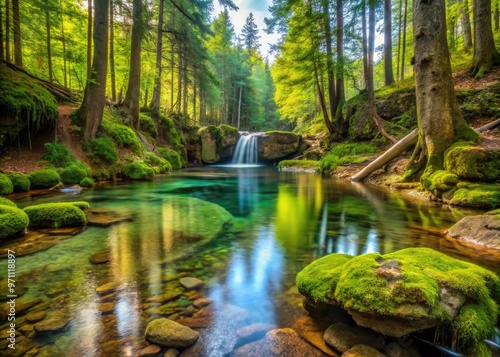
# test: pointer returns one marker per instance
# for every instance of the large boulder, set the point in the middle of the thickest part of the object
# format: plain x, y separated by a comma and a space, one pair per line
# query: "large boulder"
481, 230
12, 221
471, 162
277, 144
230, 137
165, 332
406, 291
211, 142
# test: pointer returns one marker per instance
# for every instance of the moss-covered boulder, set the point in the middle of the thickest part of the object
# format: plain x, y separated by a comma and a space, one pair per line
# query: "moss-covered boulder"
138, 171
158, 164
475, 195
6, 202
20, 182
211, 143
6, 186
408, 290
56, 215
12, 220
46, 178
230, 137
483, 230
172, 157
472, 162
275, 145
72, 175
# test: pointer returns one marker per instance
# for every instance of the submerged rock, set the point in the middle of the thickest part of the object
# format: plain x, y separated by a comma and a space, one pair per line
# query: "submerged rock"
481, 230
104, 217
343, 337
190, 283
362, 351
165, 332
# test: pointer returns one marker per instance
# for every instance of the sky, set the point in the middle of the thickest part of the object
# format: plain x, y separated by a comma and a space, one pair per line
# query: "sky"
259, 10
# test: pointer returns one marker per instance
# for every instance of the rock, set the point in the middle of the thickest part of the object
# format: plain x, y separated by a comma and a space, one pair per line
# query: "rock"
278, 343
107, 308
106, 288
100, 258
312, 332
473, 163
394, 349
362, 351
277, 144
20, 305
169, 333
191, 283
343, 337
35, 316
54, 322
211, 139
104, 217
171, 352
481, 230
164, 298
230, 137
253, 332
199, 303
150, 351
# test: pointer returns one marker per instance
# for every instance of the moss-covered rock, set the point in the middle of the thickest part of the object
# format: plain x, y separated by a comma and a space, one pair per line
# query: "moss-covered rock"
482, 230
230, 137
299, 165
6, 186
159, 164
475, 195
471, 162
87, 182
172, 157
102, 150
73, 175
45, 178
408, 290
6, 202
138, 171
12, 220
440, 181
56, 215
278, 144
147, 124
211, 143
21, 182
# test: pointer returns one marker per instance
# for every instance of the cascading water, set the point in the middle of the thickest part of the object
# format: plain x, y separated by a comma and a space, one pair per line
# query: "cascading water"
246, 151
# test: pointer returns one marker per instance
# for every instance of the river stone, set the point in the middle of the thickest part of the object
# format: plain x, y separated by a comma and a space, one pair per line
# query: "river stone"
253, 332
312, 332
104, 217
165, 332
362, 351
35, 316
100, 258
343, 337
171, 352
107, 308
55, 322
202, 302
164, 298
277, 144
190, 283
482, 230
282, 342
149, 351
106, 288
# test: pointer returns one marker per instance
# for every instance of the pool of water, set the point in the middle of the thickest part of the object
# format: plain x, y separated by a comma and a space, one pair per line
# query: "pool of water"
282, 221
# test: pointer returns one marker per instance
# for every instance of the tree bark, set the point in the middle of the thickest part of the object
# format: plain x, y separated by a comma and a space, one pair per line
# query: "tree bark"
438, 112
340, 87
185, 87
49, 50
155, 100
329, 60
16, 20
7, 31
465, 21
403, 48
63, 41
132, 97
112, 50
194, 101
89, 38
172, 61
485, 53
388, 73
2, 50
399, 38
95, 90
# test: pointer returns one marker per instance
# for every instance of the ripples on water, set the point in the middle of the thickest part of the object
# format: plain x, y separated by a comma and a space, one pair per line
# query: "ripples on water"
283, 221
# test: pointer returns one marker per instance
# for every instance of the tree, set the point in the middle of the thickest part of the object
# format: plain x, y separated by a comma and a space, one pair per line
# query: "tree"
155, 100
465, 21
7, 30
112, 50
89, 38
132, 96
49, 48
440, 121
94, 97
250, 34
485, 53
388, 73
16, 20
2, 52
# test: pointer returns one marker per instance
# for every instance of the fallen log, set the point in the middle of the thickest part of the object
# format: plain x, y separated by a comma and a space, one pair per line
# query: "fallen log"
488, 126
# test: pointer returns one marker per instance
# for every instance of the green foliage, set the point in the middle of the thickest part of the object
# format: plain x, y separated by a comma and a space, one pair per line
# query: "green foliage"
12, 220
87, 182
302, 164
138, 171
73, 175
21, 182
349, 153
159, 164
58, 154
55, 215
170, 133
6, 186
172, 157
313, 155
46, 178
102, 150
147, 124
6, 202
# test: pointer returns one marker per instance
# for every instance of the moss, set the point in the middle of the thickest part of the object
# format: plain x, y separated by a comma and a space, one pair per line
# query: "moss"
470, 162
6, 202
494, 212
228, 129
12, 220
440, 181
58, 154
485, 196
102, 150
147, 124
123, 135
159, 164
87, 182
46, 178
464, 132
172, 157
138, 171
73, 175
55, 215
6, 186
20, 182
303, 164
347, 153
80, 204
356, 283
313, 155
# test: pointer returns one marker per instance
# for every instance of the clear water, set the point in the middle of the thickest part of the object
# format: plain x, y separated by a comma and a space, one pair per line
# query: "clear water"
283, 221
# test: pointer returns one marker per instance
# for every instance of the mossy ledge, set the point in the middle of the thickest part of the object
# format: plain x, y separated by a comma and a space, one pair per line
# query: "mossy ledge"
409, 286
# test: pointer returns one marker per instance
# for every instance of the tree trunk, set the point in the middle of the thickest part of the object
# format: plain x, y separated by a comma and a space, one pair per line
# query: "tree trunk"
112, 50
388, 73
63, 41
2, 50
95, 90
239, 108
89, 38
329, 61
322, 102
399, 38
7, 30
155, 101
185, 87
403, 48
438, 113
485, 53
465, 22
132, 97
179, 79
369, 72
340, 87
496, 17
16, 20
451, 26
194, 101
172, 61
49, 50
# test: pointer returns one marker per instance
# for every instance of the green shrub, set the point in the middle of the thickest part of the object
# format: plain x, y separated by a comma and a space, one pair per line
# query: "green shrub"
159, 164
72, 175
147, 124
21, 182
348, 153
103, 150
55, 215
171, 156
58, 154
45, 178
87, 182
138, 171
12, 220
6, 202
6, 186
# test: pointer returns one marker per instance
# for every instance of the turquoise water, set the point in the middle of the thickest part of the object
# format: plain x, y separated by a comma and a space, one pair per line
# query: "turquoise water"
282, 221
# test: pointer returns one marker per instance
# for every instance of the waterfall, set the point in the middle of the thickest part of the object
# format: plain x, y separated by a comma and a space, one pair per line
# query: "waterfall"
246, 151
